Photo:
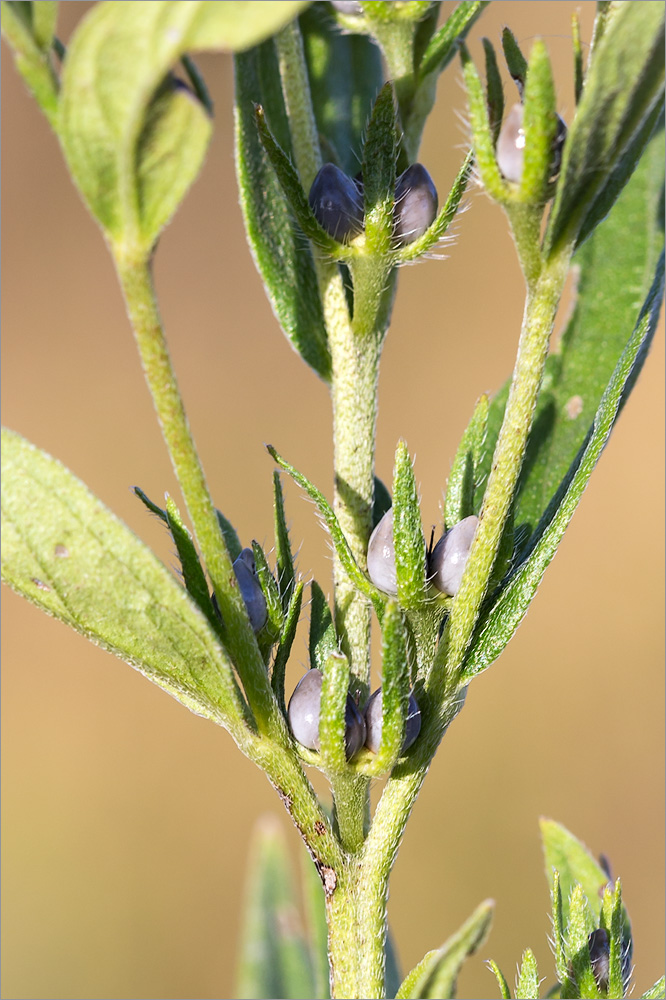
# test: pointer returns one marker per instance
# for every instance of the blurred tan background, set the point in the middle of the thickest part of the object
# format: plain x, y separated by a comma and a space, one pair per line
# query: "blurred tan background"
126, 820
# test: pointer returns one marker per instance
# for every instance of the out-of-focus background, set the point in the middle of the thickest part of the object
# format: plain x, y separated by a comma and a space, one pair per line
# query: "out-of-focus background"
126, 820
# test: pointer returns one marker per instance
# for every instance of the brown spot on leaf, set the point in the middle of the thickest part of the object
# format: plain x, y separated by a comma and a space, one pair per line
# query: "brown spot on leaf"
328, 878
574, 407
320, 828
61, 551
40, 584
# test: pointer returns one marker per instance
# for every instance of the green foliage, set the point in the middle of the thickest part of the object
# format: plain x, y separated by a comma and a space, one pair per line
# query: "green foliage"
28, 28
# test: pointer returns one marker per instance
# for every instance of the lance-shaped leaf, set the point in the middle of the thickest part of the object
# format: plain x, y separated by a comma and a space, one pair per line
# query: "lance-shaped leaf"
619, 941
345, 72
283, 555
322, 640
656, 992
558, 926
462, 480
494, 89
275, 959
379, 156
332, 724
616, 267
409, 543
281, 254
286, 642
395, 688
194, 577
505, 993
445, 217
437, 972
515, 60
580, 925
275, 615
540, 123
65, 552
482, 133
624, 83
28, 29
501, 621
527, 987
341, 544
230, 535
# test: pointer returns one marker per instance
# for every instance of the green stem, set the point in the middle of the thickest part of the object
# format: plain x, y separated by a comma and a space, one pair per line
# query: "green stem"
136, 282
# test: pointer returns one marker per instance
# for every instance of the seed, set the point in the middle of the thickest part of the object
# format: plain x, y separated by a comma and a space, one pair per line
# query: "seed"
373, 722
250, 588
510, 151
449, 557
305, 708
381, 555
337, 203
599, 948
350, 7
415, 204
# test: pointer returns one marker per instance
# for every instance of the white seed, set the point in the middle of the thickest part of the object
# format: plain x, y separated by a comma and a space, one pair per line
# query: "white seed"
449, 557
305, 708
349, 7
381, 555
373, 722
250, 588
415, 204
510, 151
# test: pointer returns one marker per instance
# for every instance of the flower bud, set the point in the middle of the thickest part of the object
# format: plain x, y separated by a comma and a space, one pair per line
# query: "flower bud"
337, 203
373, 722
448, 559
415, 204
305, 708
381, 555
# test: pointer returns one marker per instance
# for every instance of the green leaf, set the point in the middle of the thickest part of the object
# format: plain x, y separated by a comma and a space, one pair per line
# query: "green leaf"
558, 927
345, 74
275, 960
323, 639
581, 924
28, 30
286, 641
409, 543
341, 544
445, 216
332, 723
231, 539
501, 621
624, 83
445, 43
194, 577
656, 992
463, 478
69, 555
494, 89
281, 254
381, 503
395, 688
515, 60
283, 556
540, 123
275, 620
482, 134
379, 159
505, 993
437, 972
527, 987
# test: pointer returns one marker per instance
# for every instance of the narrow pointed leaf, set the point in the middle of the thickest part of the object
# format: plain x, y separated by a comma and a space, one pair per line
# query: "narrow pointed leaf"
515, 60
482, 135
231, 539
286, 642
283, 556
323, 639
540, 124
381, 503
581, 924
618, 943
624, 83
558, 926
505, 992
28, 29
462, 480
445, 217
148, 503
409, 543
445, 43
502, 620
395, 688
379, 159
494, 89
332, 718
345, 73
579, 69
275, 622
656, 992
194, 577
281, 254
527, 987
350, 565
275, 960
436, 974
65, 552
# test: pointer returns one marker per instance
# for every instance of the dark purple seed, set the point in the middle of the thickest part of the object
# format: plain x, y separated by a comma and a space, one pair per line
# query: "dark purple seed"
337, 203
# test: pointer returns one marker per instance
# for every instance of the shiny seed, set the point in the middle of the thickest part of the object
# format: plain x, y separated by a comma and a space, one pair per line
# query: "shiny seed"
305, 708
381, 555
449, 557
337, 203
415, 204
373, 722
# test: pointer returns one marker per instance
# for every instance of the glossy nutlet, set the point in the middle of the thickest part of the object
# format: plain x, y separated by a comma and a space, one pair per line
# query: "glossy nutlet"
510, 150
415, 204
381, 555
305, 708
250, 588
373, 722
448, 559
337, 203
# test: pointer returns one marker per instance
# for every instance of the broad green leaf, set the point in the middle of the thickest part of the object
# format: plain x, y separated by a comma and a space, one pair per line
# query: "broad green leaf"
133, 143
280, 251
656, 992
274, 955
28, 30
65, 552
500, 622
437, 972
409, 543
615, 270
624, 83
527, 987
345, 74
